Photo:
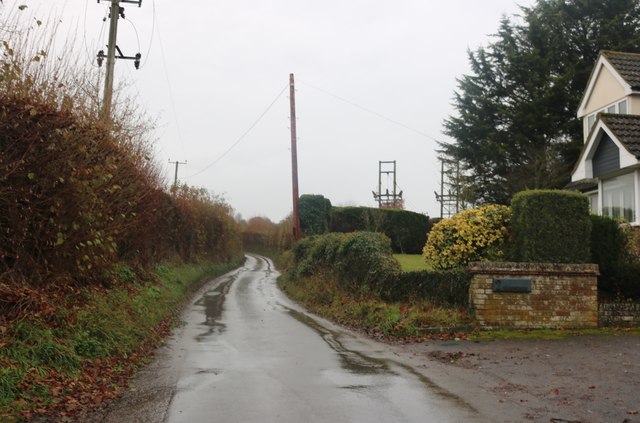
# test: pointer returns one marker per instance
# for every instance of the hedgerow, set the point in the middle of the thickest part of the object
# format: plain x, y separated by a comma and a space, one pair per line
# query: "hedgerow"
78, 195
407, 230
85, 217
362, 263
445, 288
359, 260
315, 212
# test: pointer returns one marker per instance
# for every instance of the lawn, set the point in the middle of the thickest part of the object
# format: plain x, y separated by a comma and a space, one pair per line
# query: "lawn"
412, 262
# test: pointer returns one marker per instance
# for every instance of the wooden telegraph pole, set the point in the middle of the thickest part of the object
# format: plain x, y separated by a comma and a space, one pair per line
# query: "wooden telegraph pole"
297, 232
111, 60
175, 178
115, 12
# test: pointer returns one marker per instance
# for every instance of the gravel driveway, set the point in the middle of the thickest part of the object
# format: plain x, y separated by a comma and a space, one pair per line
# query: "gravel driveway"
578, 379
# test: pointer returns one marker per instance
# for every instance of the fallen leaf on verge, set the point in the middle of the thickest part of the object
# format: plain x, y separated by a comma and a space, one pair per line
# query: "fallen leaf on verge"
554, 392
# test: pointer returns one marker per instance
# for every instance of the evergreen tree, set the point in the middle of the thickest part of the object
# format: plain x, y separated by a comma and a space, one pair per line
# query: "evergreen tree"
516, 125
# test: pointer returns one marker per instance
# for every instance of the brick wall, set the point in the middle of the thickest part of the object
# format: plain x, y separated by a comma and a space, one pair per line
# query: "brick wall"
562, 295
619, 314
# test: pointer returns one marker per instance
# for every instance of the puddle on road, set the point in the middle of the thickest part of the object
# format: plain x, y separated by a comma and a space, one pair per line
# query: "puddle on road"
352, 361
213, 302
358, 363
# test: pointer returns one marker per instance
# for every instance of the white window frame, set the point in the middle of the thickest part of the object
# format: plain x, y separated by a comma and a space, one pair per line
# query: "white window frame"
626, 106
602, 201
611, 108
595, 194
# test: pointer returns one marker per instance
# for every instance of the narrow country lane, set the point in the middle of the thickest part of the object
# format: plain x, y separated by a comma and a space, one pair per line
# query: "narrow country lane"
248, 354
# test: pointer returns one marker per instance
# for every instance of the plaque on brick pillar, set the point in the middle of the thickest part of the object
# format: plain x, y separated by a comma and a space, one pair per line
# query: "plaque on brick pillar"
512, 285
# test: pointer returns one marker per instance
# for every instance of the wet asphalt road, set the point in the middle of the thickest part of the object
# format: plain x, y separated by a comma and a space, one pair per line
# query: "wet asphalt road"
248, 354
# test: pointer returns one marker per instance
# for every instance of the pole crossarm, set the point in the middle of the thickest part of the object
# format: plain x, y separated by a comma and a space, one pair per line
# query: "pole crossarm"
177, 163
115, 12
138, 2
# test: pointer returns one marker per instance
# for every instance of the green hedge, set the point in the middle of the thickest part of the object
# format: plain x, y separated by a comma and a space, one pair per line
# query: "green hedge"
608, 249
550, 226
406, 230
626, 281
444, 288
315, 212
360, 260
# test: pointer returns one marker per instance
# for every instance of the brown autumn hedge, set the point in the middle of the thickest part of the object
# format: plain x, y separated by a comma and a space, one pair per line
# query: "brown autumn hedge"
75, 201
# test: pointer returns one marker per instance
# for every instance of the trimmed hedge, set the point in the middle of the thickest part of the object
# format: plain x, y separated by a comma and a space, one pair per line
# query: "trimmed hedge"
315, 212
626, 281
442, 288
407, 230
611, 249
361, 261
608, 249
550, 226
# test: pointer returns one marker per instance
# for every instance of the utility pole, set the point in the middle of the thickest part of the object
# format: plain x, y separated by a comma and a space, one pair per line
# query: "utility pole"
175, 178
111, 60
115, 12
297, 231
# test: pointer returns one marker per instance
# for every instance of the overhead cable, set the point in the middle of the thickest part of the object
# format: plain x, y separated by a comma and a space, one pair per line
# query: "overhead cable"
369, 110
253, 125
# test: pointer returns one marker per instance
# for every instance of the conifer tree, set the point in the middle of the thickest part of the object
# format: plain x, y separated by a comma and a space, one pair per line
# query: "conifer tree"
515, 125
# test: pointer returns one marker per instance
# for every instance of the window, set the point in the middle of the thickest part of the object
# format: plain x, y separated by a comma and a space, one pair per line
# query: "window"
622, 107
593, 201
590, 121
618, 200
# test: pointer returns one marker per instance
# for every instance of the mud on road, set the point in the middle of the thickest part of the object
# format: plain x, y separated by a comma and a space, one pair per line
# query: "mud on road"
578, 379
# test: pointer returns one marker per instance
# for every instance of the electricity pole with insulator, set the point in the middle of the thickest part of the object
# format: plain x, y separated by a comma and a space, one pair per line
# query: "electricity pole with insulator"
175, 178
116, 12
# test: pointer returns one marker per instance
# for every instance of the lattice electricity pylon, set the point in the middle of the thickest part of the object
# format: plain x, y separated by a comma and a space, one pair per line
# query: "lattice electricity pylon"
450, 196
388, 199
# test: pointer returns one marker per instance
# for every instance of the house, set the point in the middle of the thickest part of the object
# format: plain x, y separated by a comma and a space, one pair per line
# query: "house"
608, 169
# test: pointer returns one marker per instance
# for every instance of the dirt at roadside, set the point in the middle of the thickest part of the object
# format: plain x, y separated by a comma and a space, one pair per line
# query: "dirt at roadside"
578, 379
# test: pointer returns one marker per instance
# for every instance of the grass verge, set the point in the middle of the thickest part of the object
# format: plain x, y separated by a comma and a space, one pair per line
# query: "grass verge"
548, 334
401, 321
63, 363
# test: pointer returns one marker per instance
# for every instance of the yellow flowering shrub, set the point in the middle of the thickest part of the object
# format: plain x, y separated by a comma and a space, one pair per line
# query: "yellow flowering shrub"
471, 235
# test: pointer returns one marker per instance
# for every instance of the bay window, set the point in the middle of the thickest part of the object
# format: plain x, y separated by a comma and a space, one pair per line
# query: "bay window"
618, 197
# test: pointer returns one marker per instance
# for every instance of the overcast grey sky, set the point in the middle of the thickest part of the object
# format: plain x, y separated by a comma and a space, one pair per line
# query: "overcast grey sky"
374, 81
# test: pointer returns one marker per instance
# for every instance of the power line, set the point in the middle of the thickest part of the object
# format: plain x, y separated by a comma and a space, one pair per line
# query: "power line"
153, 29
135, 30
166, 75
369, 111
253, 125
90, 56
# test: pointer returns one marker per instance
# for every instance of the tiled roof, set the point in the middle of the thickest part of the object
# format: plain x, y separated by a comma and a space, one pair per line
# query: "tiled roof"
626, 128
627, 65
583, 185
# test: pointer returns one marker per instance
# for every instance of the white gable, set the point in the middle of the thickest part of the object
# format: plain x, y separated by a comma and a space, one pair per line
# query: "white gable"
584, 167
605, 86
